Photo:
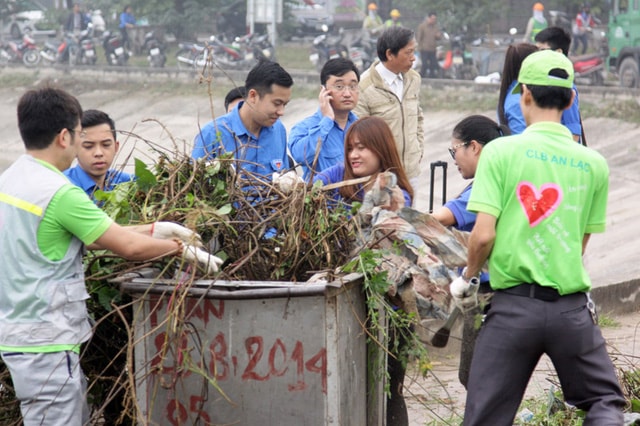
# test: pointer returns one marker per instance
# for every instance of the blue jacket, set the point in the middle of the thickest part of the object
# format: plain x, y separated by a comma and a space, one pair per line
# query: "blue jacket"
126, 18
304, 138
261, 156
80, 178
515, 120
464, 218
458, 206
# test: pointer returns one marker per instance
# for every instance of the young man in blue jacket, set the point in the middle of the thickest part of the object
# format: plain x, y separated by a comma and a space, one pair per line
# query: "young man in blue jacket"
253, 131
98, 147
338, 97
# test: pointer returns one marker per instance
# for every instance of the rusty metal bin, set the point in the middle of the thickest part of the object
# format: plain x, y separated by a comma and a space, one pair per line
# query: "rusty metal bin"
280, 353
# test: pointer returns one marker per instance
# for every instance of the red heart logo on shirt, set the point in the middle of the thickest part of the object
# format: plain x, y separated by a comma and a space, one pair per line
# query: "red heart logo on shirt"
538, 205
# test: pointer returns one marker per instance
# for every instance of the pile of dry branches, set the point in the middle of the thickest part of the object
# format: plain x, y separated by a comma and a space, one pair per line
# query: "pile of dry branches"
263, 233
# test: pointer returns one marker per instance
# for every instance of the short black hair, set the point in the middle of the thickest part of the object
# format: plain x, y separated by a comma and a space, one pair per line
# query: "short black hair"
551, 97
236, 93
264, 75
393, 39
94, 117
556, 38
337, 67
43, 113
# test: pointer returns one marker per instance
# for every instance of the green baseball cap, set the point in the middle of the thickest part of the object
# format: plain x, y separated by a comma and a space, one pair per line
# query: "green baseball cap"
536, 70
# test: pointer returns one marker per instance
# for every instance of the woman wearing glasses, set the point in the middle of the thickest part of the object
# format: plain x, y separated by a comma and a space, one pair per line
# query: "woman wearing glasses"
468, 139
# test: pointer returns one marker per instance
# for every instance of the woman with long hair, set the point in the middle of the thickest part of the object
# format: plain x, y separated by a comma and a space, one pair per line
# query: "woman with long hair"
509, 113
369, 150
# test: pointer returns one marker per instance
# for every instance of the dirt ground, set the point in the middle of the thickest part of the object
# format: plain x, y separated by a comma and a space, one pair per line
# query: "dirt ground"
610, 258
439, 398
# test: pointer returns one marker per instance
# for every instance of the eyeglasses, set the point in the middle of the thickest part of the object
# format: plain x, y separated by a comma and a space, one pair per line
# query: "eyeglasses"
80, 132
453, 149
353, 88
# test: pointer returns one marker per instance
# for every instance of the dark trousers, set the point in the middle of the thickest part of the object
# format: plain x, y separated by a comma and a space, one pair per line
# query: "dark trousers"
126, 43
430, 67
577, 39
516, 332
472, 321
397, 414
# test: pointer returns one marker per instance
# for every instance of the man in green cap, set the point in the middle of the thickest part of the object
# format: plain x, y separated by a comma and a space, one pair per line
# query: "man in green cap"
538, 196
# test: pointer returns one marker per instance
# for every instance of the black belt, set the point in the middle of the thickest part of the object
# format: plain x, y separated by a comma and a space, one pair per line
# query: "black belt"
485, 287
535, 291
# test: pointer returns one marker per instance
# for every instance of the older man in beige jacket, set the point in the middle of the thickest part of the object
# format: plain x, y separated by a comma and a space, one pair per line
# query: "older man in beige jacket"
390, 89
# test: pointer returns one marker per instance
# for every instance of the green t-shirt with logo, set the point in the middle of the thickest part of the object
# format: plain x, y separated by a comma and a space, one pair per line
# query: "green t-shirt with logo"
546, 192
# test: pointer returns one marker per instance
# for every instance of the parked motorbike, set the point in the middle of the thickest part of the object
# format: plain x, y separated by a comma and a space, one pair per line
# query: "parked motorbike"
243, 53
455, 60
114, 49
191, 55
235, 55
87, 49
262, 47
326, 46
63, 51
155, 49
592, 68
73, 49
362, 52
25, 51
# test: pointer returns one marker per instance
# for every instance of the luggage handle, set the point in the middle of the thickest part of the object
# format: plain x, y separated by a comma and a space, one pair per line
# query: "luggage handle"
435, 165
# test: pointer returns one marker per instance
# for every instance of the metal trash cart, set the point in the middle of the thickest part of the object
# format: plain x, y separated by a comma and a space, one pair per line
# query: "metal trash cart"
253, 353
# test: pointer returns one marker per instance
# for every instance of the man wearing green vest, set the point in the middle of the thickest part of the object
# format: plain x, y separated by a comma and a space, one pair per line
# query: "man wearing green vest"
394, 20
536, 24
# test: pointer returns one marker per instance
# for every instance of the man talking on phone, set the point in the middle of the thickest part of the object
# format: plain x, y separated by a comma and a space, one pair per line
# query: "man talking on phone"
324, 131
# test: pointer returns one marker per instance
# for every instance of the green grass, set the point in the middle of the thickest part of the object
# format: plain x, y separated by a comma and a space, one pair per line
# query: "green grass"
457, 99
294, 56
18, 79
289, 55
606, 321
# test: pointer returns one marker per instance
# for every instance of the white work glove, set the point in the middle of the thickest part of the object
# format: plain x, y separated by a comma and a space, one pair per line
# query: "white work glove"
170, 230
194, 254
465, 293
286, 182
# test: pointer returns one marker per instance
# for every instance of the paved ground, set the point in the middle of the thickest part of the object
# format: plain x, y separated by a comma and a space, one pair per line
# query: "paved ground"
611, 257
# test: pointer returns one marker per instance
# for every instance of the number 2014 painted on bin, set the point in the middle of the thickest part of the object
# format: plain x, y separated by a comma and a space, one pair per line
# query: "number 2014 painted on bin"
223, 367
254, 347
219, 364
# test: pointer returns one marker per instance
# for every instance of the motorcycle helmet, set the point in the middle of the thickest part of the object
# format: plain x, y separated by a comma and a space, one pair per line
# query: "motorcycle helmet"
372, 6
538, 6
395, 13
